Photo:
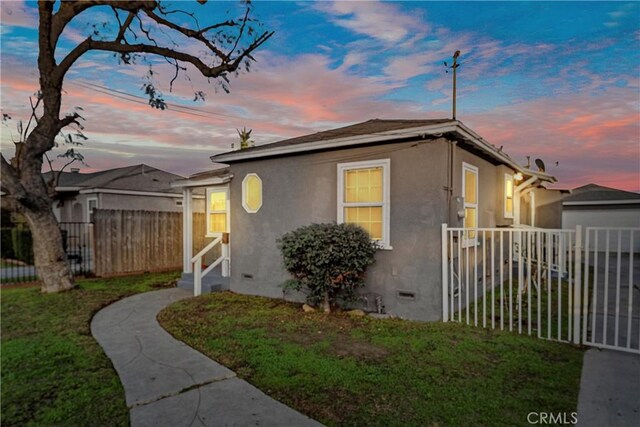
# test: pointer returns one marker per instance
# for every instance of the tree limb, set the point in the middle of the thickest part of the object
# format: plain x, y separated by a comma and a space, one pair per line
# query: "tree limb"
198, 35
123, 27
70, 9
11, 181
113, 46
67, 120
241, 32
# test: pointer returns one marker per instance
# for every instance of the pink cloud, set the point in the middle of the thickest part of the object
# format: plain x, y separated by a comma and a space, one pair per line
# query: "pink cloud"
16, 13
594, 139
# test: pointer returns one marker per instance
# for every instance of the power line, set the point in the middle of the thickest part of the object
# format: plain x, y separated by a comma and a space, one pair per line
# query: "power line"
175, 106
143, 101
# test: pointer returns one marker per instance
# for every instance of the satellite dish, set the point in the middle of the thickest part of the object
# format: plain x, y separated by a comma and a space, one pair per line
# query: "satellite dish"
540, 165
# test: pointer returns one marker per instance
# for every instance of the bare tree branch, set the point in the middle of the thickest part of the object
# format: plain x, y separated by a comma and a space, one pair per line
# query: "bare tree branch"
113, 46
11, 180
123, 27
67, 120
198, 35
244, 24
70, 9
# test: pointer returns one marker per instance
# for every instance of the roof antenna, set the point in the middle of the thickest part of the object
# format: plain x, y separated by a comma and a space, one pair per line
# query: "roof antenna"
454, 66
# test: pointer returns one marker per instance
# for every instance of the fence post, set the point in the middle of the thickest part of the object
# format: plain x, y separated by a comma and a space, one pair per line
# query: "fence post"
225, 254
197, 277
577, 294
445, 287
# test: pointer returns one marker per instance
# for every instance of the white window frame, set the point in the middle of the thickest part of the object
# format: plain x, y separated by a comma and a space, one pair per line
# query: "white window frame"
89, 200
244, 193
474, 169
385, 242
508, 177
208, 209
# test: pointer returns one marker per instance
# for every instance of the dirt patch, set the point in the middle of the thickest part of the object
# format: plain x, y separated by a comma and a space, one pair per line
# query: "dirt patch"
341, 344
170, 284
360, 350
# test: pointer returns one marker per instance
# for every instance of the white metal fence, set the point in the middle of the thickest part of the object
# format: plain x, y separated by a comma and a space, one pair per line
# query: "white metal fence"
541, 282
611, 302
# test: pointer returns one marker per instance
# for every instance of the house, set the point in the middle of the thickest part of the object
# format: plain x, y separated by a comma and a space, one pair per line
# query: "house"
398, 179
139, 187
591, 206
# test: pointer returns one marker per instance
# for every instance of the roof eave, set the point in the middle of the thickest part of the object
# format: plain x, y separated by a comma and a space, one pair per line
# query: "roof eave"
500, 156
454, 126
334, 143
202, 182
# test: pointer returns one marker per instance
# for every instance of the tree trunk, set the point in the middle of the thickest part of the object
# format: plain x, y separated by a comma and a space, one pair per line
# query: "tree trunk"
327, 304
49, 256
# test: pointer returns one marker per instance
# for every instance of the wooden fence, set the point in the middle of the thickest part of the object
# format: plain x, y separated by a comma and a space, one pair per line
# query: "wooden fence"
138, 241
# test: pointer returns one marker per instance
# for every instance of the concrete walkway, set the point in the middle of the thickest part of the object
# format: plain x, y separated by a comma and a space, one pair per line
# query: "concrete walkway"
609, 389
167, 383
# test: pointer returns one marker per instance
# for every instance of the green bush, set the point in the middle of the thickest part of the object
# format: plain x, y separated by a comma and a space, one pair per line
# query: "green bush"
6, 243
329, 260
22, 244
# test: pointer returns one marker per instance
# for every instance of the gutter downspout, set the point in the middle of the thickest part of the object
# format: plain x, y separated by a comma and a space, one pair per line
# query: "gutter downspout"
452, 154
518, 193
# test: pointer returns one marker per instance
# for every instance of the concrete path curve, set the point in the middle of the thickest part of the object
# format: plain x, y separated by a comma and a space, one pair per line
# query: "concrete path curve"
168, 383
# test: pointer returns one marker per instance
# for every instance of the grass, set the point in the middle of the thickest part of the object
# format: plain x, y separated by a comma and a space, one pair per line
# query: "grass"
344, 370
53, 371
534, 308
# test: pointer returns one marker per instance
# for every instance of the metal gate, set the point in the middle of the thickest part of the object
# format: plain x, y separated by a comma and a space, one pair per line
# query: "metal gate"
17, 252
611, 302
545, 282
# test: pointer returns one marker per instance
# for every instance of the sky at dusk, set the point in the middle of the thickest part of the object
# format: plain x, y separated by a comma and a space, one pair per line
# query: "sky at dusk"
553, 80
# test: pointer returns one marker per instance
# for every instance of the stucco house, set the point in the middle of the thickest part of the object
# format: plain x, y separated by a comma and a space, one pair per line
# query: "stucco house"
138, 187
399, 179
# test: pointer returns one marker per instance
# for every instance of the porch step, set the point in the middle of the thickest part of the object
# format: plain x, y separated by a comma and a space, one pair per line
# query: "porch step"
212, 282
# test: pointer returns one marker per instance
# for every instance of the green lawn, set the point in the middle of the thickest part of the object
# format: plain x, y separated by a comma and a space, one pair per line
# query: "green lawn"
344, 370
53, 371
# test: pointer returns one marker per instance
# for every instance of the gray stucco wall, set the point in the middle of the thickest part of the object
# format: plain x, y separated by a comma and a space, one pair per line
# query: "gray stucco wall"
299, 190
302, 189
549, 207
490, 188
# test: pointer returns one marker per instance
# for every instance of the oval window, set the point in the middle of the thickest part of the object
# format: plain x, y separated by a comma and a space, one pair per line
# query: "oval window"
252, 193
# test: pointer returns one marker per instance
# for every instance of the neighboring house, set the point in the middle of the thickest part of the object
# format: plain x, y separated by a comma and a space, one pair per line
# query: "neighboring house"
139, 187
399, 179
593, 205
590, 205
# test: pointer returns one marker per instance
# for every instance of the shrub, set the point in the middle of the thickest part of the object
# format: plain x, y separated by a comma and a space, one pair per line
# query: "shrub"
329, 260
22, 244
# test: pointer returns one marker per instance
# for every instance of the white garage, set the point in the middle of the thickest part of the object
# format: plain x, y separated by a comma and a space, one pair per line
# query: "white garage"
597, 206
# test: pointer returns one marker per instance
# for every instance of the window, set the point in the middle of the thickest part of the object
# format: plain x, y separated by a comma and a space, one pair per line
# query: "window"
91, 205
252, 193
363, 197
178, 202
217, 211
470, 192
508, 195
